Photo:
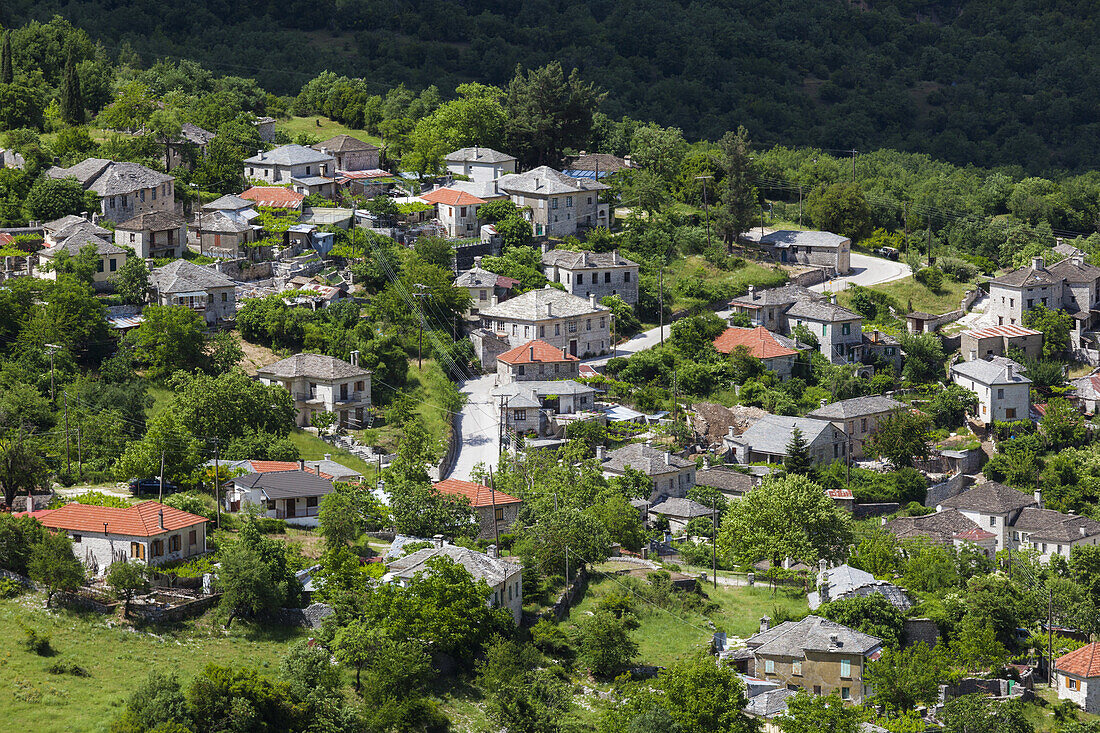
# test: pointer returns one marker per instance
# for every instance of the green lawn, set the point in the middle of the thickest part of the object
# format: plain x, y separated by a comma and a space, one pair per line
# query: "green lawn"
908, 291
323, 131
435, 396
312, 448
117, 659
161, 397
716, 282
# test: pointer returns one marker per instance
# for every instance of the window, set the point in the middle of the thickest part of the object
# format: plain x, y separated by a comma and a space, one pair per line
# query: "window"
557, 329
311, 501
1010, 413
769, 666
521, 370
1030, 302
607, 277
76, 539
307, 170
554, 204
992, 521
863, 425
114, 264
588, 325
141, 194
137, 550
174, 543
817, 689
462, 211
483, 295
572, 327
846, 328
1072, 684
154, 192
526, 331
158, 548
498, 514
1000, 394
99, 267
845, 668
824, 329
569, 202
519, 415
796, 667
131, 236
602, 321
845, 693
193, 537
542, 331
225, 297
580, 279
1016, 536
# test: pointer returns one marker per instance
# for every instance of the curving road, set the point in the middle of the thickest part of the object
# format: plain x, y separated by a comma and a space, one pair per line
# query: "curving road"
866, 270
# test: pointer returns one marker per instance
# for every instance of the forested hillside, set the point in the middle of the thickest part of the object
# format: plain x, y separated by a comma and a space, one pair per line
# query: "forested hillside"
984, 82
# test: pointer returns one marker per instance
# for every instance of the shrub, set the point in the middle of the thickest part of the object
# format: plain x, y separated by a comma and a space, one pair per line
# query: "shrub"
68, 668
35, 641
931, 278
958, 270
269, 525
10, 588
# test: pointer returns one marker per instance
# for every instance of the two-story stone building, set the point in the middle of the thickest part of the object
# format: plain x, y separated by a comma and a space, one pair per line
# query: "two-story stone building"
858, 417
110, 257
322, 383
202, 289
456, 211
350, 153
125, 189
820, 249
496, 511
1071, 285
592, 273
556, 204
290, 162
578, 325
672, 476
479, 164
838, 330
1004, 393
536, 361
158, 234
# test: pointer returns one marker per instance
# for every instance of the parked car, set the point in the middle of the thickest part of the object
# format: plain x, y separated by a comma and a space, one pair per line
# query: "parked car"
888, 252
149, 486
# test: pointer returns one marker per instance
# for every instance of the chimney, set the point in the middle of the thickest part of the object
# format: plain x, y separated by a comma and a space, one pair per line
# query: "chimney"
1082, 531
438, 540
301, 464
583, 154
564, 355
668, 458
1078, 259
494, 300
822, 565
601, 453
752, 292
786, 563
1037, 263
1038, 497
730, 431
531, 351
549, 310
592, 300
973, 355
765, 623
328, 456
629, 163
545, 247
706, 463
353, 358
1008, 370
477, 261
832, 298
824, 401
160, 516
491, 551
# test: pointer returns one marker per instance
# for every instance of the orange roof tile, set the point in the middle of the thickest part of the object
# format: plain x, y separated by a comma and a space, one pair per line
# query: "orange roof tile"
270, 466
975, 534
451, 197
760, 342
140, 520
534, 352
277, 196
479, 496
1083, 662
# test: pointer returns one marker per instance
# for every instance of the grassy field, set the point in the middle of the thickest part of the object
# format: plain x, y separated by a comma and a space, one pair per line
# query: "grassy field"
908, 291
322, 128
435, 397
736, 282
664, 637
117, 659
312, 448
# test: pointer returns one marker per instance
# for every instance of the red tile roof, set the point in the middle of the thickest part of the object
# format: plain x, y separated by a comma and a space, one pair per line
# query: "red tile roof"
277, 196
6, 238
140, 520
1009, 330
479, 496
534, 352
451, 197
839, 493
1083, 662
977, 534
760, 342
270, 466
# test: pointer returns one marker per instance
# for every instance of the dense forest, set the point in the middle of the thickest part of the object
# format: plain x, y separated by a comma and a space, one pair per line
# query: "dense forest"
983, 82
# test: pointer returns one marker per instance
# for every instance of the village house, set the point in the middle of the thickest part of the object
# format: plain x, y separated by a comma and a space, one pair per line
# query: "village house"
202, 289
844, 581
308, 171
350, 153
191, 136
325, 467
557, 204
993, 507
838, 330
818, 249
504, 578
777, 353
997, 340
817, 655
529, 407
536, 361
766, 440
1086, 392
679, 511
486, 288
455, 210
293, 495
592, 273
156, 235
265, 128
496, 511
11, 159
882, 347
730, 482
1077, 677
858, 417
595, 165
672, 476
1004, 394
479, 164
768, 308
320, 383
1072, 285
110, 257
148, 532
225, 225
125, 189
365, 183
288, 202
564, 321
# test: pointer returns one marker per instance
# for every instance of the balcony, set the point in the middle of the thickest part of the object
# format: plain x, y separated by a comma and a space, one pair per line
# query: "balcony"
352, 397
308, 397
307, 512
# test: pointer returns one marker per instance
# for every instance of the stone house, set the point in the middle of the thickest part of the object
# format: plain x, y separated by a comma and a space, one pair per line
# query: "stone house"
479, 164
456, 211
578, 325
202, 289
819, 249
320, 383
679, 512
225, 225
766, 440
556, 204
291, 495
858, 417
777, 353
838, 330
504, 578
768, 308
529, 407
997, 340
265, 127
1086, 392
993, 507
729, 481
125, 189
882, 347
496, 511
486, 288
148, 532
1004, 394
1049, 533
592, 273
844, 581
111, 257
672, 476
946, 527
159, 234
11, 159
288, 201
819, 656
289, 162
595, 165
350, 153
1077, 677
536, 361
1072, 285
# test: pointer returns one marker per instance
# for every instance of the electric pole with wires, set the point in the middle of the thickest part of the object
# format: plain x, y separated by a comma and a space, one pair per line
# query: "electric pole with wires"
424, 293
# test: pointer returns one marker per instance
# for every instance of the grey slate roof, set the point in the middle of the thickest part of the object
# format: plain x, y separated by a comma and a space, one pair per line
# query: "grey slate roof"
545, 181
477, 154
1071, 272
678, 507
154, 221
1047, 525
785, 295
181, 276
845, 581
482, 567
821, 311
990, 498
531, 306
771, 433
111, 178
770, 703
312, 365
476, 277
221, 223
73, 244
790, 237
603, 162
856, 407
991, 372
85, 171
195, 134
811, 634
543, 387
65, 221
940, 527
641, 457
1025, 277
344, 144
289, 155
229, 202
80, 226
482, 189
724, 479
569, 260
285, 484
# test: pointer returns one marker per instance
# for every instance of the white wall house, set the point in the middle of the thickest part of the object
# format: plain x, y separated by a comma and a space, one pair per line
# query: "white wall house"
577, 325
291, 495
1077, 677
838, 330
1004, 394
320, 383
289, 161
479, 164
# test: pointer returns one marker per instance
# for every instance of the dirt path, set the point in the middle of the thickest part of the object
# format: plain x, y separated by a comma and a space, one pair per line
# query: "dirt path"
255, 356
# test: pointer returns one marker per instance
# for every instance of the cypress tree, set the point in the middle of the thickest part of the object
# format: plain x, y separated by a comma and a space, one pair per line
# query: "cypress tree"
72, 102
797, 459
7, 73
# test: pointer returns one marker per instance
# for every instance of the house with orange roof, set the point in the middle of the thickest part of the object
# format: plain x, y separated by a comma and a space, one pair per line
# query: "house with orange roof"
536, 361
275, 197
456, 210
778, 353
1077, 677
149, 532
496, 511
998, 340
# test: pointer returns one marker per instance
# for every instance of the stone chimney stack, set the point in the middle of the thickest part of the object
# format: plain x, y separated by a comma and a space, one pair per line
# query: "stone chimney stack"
1008, 370
328, 456
752, 292
160, 516
477, 261
601, 453
824, 401
545, 247
491, 551
1037, 263
549, 310
765, 624
438, 540
1078, 259
822, 565
729, 431
301, 464
668, 458
494, 300
353, 358
531, 352
592, 300
973, 355
1038, 497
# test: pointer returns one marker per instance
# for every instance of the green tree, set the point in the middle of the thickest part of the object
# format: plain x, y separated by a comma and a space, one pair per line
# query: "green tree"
923, 357
155, 704
740, 200
132, 282
840, 208
605, 644
1062, 426
72, 101
21, 466
1055, 325
797, 460
901, 437
704, 697
658, 149
170, 338
356, 645
583, 536
127, 579
422, 511
346, 513
949, 406
546, 112
166, 437
7, 73
977, 714
787, 516
976, 647
253, 576
820, 714
53, 198
646, 192
905, 678
54, 565
871, 614
521, 696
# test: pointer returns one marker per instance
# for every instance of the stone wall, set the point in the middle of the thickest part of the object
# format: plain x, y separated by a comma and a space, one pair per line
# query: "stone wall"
174, 612
809, 277
242, 269
572, 594
862, 511
953, 486
309, 617
921, 630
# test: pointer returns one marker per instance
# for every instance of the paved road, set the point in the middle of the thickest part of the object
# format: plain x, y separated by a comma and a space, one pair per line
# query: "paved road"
477, 427
866, 270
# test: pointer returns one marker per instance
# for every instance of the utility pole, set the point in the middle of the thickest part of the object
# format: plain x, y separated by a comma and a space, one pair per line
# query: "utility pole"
761, 220
68, 466
567, 568
800, 204
661, 302
217, 488
706, 208
493, 494
1050, 637
848, 471
53, 348
420, 338
714, 543
160, 492
79, 452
